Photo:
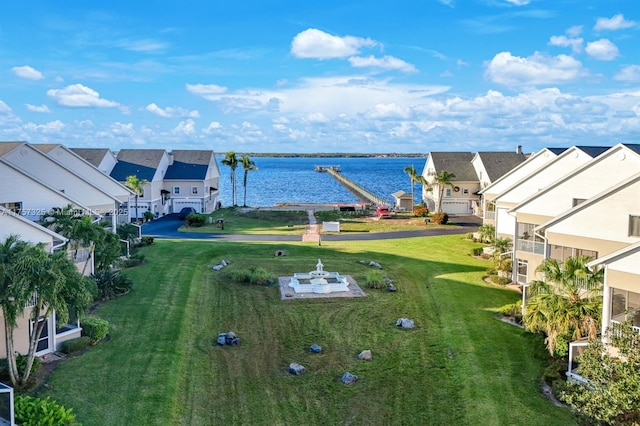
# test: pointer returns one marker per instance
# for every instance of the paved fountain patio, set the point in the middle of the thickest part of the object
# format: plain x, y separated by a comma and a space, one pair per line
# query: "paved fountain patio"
287, 292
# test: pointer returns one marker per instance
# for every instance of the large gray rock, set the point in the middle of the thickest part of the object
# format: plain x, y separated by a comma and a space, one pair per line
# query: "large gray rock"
348, 378
315, 348
296, 369
405, 323
365, 355
375, 264
229, 339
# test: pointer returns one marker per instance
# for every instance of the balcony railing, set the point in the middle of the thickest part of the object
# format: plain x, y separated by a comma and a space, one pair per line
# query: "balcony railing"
616, 327
536, 247
490, 215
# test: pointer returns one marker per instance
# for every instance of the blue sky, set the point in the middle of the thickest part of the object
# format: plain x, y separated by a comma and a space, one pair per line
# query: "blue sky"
334, 76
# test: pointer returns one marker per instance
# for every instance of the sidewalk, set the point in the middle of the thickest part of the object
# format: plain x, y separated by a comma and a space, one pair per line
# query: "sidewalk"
312, 234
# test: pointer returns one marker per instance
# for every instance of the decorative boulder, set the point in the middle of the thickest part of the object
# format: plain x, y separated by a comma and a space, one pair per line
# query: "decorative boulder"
391, 287
362, 261
217, 267
365, 355
375, 264
296, 369
315, 348
405, 323
348, 378
229, 339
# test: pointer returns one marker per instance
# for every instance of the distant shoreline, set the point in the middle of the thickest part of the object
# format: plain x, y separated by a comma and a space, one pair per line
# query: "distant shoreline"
329, 154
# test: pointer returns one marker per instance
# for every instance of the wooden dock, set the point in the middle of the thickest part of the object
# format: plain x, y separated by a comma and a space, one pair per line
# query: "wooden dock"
357, 190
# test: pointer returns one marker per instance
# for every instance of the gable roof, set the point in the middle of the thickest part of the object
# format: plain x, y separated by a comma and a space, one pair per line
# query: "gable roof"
189, 164
458, 163
616, 255
8, 213
46, 147
401, 195
143, 157
593, 151
9, 146
593, 200
498, 164
91, 155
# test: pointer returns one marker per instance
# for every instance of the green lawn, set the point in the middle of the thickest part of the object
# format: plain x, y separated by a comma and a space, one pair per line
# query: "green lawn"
241, 221
460, 366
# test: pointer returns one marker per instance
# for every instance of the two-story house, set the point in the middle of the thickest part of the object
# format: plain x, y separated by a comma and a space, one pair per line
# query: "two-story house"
192, 180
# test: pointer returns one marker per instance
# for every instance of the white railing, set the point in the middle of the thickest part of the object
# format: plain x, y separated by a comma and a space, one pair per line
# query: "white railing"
536, 247
491, 215
616, 326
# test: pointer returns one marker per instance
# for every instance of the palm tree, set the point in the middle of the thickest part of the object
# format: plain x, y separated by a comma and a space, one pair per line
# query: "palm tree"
443, 179
248, 166
413, 176
137, 186
50, 281
567, 304
231, 159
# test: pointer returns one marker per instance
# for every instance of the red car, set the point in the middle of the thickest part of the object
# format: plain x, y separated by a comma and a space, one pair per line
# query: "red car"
383, 212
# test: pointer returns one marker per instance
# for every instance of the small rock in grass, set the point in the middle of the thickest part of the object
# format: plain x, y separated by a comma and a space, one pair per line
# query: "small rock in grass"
315, 348
296, 369
348, 378
365, 355
405, 323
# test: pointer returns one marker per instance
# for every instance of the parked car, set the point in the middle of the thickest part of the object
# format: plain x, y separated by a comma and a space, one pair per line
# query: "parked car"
383, 212
186, 211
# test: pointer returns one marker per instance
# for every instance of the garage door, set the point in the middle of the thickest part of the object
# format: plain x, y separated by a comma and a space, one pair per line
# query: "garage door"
456, 207
179, 204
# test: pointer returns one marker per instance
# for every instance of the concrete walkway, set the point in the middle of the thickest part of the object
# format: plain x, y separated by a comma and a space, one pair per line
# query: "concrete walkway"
312, 233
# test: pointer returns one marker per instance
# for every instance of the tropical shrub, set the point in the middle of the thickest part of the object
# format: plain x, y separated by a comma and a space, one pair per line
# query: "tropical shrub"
253, 275
31, 411
145, 241
497, 279
148, 216
75, 345
128, 231
195, 220
512, 310
240, 276
95, 328
134, 260
440, 218
420, 211
375, 279
476, 251
111, 284
21, 364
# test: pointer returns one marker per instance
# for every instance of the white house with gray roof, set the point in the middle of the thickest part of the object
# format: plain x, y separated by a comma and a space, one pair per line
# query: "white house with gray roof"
101, 158
192, 180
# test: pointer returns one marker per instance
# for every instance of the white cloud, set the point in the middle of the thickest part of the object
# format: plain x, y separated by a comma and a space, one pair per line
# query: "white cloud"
574, 31
316, 117
313, 43
616, 22
79, 96
212, 127
36, 108
186, 127
386, 63
206, 90
519, 2
51, 127
602, 49
27, 72
538, 69
122, 129
143, 45
4, 108
564, 41
628, 73
170, 112
391, 110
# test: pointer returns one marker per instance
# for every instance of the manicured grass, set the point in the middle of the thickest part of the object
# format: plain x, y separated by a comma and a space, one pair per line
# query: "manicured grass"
248, 221
368, 222
459, 366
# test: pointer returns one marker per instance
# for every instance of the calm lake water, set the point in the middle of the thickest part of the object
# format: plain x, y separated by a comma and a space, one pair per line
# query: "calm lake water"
294, 179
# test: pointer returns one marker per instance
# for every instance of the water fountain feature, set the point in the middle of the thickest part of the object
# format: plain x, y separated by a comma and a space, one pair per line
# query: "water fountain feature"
319, 281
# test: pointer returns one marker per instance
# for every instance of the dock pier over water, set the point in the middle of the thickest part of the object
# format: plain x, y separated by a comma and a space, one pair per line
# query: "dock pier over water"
356, 189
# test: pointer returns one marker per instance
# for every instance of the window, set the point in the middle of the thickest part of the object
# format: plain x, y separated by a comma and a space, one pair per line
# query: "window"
465, 191
176, 190
561, 253
194, 190
577, 201
14, 207
447, 192
523, 267
625, 305
634, 226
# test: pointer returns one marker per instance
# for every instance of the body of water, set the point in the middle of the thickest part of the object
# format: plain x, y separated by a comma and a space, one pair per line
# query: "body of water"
294, 179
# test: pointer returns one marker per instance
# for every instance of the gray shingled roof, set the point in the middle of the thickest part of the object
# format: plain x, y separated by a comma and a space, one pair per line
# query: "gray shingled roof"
193, 156
142, 157
8, 146
458, 163
91, 155
497, 164
46, 147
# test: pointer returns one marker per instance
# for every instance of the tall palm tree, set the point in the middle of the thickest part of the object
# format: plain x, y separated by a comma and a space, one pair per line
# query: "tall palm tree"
231, 160
137, 186
567, 304
443, 179
413, 176
248, 166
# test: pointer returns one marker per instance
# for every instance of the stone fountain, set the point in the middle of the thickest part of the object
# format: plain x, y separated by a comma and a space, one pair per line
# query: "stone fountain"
319, 281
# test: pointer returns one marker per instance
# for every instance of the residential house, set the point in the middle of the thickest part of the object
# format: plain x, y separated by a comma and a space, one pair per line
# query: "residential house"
53, 334
572, 188
150, 165
92, 174
33, 162
402, 201
547, 172
101, 158
472, 173
192, 180
510, 178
